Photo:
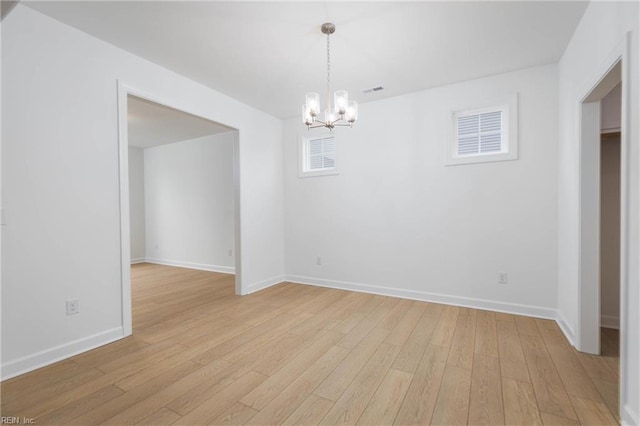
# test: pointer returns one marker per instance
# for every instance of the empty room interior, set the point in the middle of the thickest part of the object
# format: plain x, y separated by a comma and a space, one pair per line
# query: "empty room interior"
307, 213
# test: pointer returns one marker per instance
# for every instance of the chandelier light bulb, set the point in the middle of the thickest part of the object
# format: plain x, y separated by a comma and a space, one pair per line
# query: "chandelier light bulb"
307, 119
341, 100
329, 116
313, 103
352, 112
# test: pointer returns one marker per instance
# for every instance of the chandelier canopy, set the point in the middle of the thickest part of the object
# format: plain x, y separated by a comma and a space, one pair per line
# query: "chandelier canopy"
343, 113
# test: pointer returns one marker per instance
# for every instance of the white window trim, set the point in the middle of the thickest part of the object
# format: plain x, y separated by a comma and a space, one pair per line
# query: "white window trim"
303, 151
509, 151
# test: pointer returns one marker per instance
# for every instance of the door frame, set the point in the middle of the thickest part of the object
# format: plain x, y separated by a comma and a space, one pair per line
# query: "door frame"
587, 338
123, 91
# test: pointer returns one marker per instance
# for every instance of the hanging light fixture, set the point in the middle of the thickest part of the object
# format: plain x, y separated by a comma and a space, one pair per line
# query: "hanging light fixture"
343, 113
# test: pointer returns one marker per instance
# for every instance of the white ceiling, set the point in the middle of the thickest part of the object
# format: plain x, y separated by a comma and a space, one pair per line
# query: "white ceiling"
152, 124
269, 54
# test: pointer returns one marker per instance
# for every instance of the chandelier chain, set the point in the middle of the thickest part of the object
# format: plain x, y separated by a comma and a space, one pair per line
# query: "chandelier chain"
328, 72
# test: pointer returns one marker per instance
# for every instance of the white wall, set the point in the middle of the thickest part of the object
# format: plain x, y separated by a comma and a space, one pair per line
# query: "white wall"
189, 203
60, 180
396, 220
602, 28
136, 204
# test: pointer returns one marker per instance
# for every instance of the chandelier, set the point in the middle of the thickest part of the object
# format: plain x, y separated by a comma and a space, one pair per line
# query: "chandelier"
344, 112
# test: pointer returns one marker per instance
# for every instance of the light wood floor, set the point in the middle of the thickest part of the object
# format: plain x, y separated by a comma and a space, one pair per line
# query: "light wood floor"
297, 354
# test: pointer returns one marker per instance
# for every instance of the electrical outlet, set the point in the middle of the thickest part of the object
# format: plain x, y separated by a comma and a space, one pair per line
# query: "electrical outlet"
502, 278
73, 307
319, 261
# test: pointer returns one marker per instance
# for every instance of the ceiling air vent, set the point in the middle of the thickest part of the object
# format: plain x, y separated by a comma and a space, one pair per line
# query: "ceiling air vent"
373, 89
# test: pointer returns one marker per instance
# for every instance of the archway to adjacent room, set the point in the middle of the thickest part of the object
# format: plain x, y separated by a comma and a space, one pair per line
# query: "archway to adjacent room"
185, 204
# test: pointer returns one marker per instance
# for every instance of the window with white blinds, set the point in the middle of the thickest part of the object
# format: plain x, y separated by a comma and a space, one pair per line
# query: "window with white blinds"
318, 155
322, 154
483, 135
480, 133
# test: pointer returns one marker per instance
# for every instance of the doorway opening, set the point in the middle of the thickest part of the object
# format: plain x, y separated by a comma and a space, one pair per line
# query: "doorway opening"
610, 202
179, 194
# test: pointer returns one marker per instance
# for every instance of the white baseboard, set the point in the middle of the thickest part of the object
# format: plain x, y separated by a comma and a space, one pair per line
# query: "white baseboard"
610, 321
511, 308
192, 265
261, 285
565, 328
58, 353
629, 418
138, 260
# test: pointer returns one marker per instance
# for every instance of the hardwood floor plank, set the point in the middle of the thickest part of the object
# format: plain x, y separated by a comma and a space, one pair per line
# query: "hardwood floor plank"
520, 406
592, 412
150, 389
363, 307
207, 336
322, 304
443, 334
551, 395
354, 400
310, 412
398, 312
553, 420
111, 351
260, 396
183, 323
486, 334
353, 301
162, 417
237, 414
265, 340
247, 336
405, 326
452, 405
385, 403
186, 401
288, 348
314, 324
147, 406
416, 343
80, 406
144, 375
512, 362
342, 376
462, 345
485, 406
501, 316
368, 323
221, 401
610, 394
286, 401
17, 396
527, 326
574, 377
420, 400
45, 406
